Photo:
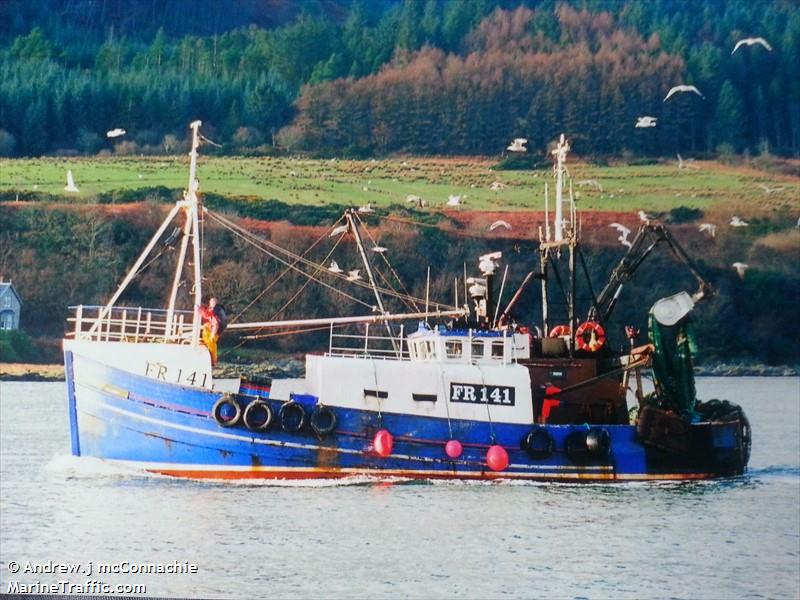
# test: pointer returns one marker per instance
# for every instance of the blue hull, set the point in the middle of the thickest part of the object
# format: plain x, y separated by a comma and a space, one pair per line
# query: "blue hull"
170, 429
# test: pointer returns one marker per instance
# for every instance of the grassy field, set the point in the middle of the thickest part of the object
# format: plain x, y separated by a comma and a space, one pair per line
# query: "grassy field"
706, 185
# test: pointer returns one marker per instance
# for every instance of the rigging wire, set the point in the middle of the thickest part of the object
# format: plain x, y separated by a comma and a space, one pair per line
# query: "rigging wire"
270, 248
280, 276
412, 304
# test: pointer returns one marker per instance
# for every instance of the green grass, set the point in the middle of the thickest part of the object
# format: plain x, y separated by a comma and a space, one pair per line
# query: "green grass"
384, 182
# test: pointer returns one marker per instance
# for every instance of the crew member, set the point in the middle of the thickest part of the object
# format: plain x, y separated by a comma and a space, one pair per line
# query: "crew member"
212, 315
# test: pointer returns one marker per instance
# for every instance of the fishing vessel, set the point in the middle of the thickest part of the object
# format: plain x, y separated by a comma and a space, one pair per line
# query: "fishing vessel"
459, 391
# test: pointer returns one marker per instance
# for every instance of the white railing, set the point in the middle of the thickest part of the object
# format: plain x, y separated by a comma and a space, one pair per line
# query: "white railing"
134, 325
366, 345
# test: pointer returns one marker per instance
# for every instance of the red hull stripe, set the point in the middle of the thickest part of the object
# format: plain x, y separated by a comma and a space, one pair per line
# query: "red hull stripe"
299, 474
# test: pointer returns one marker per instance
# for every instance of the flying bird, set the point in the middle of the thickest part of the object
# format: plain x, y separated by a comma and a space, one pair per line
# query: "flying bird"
366, 209
682, 88
416, 200
70, 187
646, 121
770, 190
644, 217
115, 132
339, 230
623, 239
497, 186
624, 231
378, 249
750, 42
454, 200
709, 227
518, 145
335, 268
353, 275
498, 224
740, 268
737, 222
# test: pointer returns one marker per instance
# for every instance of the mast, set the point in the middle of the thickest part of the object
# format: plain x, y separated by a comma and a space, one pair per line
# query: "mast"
191, 229
368, 267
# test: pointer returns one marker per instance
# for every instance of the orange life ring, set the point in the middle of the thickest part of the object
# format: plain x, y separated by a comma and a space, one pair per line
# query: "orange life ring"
590, 336
560, 330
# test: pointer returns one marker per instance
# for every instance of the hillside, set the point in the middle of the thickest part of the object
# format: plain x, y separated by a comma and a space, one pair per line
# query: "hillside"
61, 251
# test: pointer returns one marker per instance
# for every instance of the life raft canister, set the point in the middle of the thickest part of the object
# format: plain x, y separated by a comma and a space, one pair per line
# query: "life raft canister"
257, 416
590, 336
227, 411
560, 330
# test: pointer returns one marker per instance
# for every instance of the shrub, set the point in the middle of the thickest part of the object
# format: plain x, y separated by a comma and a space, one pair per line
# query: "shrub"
16, 346
683, 214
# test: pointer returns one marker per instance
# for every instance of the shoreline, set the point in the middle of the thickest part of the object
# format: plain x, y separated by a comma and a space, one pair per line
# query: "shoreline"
27, 372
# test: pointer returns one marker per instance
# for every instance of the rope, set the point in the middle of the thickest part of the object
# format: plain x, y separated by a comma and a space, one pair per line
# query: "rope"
260, 243
412, 304
279, 277
257, 242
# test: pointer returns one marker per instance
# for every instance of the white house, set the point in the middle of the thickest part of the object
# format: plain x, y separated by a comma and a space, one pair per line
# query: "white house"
10, 306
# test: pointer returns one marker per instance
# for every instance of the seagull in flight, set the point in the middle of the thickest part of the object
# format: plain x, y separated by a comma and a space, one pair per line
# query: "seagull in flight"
709, 227
353, 275
339, 230
70, 187
750, 42
518, 145
335, 268
454, 200
378, 249
740, 268
623, 239
646, 121
366, 209
644, 217
770, 190
624, 231
118, 131
497, 186
498, 224
416, 200
682, 88
737, 222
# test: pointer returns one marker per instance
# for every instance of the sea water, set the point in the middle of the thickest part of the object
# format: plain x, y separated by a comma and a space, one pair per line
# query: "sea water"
734, 538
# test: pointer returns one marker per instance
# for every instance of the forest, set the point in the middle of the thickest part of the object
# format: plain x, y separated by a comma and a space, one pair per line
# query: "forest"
363, 78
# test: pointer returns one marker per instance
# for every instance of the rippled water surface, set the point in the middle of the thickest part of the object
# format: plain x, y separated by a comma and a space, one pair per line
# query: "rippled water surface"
737, 538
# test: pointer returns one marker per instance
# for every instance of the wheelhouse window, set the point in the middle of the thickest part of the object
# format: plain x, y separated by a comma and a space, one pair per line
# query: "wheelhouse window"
477, 349
454, 348
498, 349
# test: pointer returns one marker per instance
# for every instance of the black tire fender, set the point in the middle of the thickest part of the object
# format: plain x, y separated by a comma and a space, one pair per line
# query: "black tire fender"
323, 421
219, 407
292, 417
257, 416
538, 443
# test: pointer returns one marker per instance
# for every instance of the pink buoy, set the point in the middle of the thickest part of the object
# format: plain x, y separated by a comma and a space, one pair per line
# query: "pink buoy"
497, 458
453, 449
382, 443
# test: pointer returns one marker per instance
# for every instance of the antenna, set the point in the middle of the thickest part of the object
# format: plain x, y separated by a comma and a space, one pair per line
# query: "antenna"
546, 214
560, 152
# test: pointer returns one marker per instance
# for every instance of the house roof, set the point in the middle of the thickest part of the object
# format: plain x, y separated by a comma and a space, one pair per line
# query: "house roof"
6, 287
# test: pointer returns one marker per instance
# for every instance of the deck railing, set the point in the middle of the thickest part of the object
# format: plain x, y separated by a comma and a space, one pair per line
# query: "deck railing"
126, 324
368, 345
